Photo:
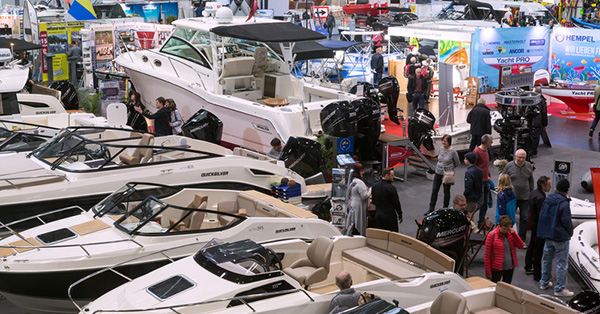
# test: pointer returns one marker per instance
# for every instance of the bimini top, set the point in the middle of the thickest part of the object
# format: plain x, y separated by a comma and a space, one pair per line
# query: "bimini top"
307, 50
268, 32
19, 45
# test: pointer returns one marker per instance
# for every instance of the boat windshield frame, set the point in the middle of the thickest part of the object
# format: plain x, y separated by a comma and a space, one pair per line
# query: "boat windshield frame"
237, 261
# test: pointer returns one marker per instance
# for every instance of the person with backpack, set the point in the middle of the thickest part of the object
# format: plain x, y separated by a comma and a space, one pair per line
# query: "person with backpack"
506, 203
500, 255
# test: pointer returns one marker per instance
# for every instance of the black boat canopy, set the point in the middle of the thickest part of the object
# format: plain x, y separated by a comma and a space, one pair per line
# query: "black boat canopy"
306, 50
268, 32
19, 45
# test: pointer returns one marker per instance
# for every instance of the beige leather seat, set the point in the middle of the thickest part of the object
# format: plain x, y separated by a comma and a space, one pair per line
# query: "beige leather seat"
449, 302
237, 73
260, 61
140, 155
315, 267
193, 221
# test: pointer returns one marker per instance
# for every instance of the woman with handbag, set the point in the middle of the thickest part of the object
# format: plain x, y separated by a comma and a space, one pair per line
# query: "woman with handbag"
176, 121
444, 172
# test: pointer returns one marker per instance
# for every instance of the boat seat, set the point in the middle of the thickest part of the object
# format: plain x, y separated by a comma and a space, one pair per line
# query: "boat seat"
260, 61
237, 73
315, 267
140, 155
193, 221
449, 302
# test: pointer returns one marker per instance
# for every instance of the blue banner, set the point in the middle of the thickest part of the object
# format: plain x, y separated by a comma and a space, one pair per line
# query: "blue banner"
517, 47
575, 54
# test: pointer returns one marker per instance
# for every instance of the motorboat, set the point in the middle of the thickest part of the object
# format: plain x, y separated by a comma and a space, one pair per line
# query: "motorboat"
577, 97
376, 7
23, 137
137, 219
582, 210
501, 298
77, 169
250, 277
227, 68
583, 253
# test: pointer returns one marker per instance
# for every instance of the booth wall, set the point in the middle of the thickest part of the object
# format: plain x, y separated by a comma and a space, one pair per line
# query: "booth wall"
575, 54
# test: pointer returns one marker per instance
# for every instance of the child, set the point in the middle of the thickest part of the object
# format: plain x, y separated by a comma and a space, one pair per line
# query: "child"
506, 203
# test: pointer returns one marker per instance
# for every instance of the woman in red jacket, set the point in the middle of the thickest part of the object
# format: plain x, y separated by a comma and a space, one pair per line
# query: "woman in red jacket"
500, 257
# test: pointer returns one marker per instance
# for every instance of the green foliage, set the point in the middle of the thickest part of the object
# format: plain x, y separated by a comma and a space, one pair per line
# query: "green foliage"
90, 102
171, 19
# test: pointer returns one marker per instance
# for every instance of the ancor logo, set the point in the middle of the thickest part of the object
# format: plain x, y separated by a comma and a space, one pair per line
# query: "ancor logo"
516, 51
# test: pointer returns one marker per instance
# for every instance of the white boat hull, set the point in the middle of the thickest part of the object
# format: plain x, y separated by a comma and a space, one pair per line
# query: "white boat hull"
583, 254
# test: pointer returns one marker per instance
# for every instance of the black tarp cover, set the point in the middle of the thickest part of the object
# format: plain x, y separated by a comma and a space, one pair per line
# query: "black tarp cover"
268, 32
306, 50
20, 45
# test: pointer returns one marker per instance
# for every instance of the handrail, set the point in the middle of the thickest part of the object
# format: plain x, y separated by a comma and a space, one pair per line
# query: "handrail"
80, 245
238, 298
38, 217
30, 177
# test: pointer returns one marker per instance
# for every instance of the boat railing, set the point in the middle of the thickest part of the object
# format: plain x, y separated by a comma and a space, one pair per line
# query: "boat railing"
39, 217
241, 299
43, 176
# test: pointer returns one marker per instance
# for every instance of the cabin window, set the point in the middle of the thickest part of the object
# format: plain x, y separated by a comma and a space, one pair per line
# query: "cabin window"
255, 294
56, 236
170, 287
180, 48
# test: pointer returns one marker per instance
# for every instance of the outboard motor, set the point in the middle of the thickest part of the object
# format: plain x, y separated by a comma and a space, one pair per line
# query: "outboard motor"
204, 125
586, 302
447, 230
586, 181
338, 119
389, 91
68, 94
369, 90
303, 156
420, 128
368, 127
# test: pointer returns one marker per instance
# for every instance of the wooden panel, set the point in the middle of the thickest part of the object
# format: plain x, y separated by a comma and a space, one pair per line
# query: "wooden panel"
30, 242
90, 226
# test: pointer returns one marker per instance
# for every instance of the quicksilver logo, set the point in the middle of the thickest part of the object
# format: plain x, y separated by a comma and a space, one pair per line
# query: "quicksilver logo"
285, 230
439, 284
214, 174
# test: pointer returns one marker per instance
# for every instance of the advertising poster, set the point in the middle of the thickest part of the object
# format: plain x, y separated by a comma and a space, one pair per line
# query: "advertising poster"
55, 38
517, 47
151, 13
103, 47
575, 54
168, 11
162, 34
455, 52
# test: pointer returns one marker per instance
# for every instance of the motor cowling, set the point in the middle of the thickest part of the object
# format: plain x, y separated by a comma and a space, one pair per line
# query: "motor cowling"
368, 127
586, 302
204, 125
447, 230
68, 94
420, 128
338, 119
389, 89
304, 156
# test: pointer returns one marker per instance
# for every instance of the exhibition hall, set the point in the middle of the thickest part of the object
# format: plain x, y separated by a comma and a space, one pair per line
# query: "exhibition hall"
299, 156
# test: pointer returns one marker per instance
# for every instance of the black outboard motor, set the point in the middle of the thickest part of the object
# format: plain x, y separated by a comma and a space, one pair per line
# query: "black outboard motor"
390, 91
68, 94
368, 127
339, 119
446, 230
369, 90
586, 302
303, 156
204, 126
420, 128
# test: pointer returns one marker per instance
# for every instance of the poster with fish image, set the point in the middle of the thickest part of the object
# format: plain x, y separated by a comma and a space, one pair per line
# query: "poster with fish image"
455, 52
518, 47
575, 54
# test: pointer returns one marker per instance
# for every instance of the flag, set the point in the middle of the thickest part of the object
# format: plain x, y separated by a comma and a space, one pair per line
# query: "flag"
253, 8
81, 10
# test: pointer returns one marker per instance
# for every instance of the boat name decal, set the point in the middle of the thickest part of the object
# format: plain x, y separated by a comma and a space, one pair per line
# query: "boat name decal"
285, 230
582, 93
259, 228
214, 174
261, 127
439, 284
451, 231
549, 305
46, 112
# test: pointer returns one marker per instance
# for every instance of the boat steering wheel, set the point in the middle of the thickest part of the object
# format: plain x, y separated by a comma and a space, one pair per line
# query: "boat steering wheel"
275, 257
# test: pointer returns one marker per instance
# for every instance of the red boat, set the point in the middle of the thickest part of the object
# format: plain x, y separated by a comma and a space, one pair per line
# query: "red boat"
578, 98
362, 9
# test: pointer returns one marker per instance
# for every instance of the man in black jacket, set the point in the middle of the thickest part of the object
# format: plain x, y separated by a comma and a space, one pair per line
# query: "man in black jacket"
416, 87
377, 66
473, 184
540, 122
535, 250
387, 204
161, 118
481, 123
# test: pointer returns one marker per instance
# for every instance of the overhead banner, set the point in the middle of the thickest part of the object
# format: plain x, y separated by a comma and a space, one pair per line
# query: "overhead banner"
56, 38
517, 47
575, 54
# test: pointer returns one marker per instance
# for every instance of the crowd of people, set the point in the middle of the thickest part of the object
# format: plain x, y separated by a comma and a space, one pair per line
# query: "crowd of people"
166, 121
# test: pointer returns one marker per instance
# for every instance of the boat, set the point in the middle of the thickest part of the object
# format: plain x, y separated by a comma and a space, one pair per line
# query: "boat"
577, 97
250, 277
461, 134
585, 24
136, 219
501, 298
372, 6
582, 211
227, 68
583, 254
73, 169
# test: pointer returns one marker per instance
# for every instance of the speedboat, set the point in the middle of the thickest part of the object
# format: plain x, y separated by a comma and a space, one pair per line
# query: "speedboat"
501, 298
583, 254
78, 169
137, 219
226, 67
286, 276
577, 97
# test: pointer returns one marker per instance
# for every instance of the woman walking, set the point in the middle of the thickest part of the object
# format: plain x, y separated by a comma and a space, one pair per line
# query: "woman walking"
444, 172
176, 121
506, 203
500, 257
358, 201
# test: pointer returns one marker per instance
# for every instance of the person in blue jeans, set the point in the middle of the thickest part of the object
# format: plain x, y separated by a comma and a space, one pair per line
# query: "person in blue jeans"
556, 217
416, 86
377, 66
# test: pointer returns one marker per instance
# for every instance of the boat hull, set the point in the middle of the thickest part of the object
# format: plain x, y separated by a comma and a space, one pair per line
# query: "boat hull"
582, 255
578, 99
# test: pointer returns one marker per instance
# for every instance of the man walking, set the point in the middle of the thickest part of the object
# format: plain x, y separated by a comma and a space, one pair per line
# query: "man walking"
483, 163
558, 230
481, 123
596, 110
473, 184
533, 257
388, 211
416, 86
540, 122
521, 176
377, 65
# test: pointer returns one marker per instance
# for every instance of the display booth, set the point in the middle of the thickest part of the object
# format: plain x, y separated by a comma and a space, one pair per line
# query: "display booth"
11, 23
153, 11
56, 39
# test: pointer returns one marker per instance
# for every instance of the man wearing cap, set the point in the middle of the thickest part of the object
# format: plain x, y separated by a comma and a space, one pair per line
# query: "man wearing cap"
555, 216
473, 183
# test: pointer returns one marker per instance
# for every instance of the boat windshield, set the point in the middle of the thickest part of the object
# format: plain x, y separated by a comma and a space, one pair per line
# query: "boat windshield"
128, 195
72, 147
142, 217
451, 14
112, 203
241, 262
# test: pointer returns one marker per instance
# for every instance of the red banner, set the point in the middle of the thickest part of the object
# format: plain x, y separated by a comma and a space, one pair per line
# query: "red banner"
397, 154
596, 184
44, 43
